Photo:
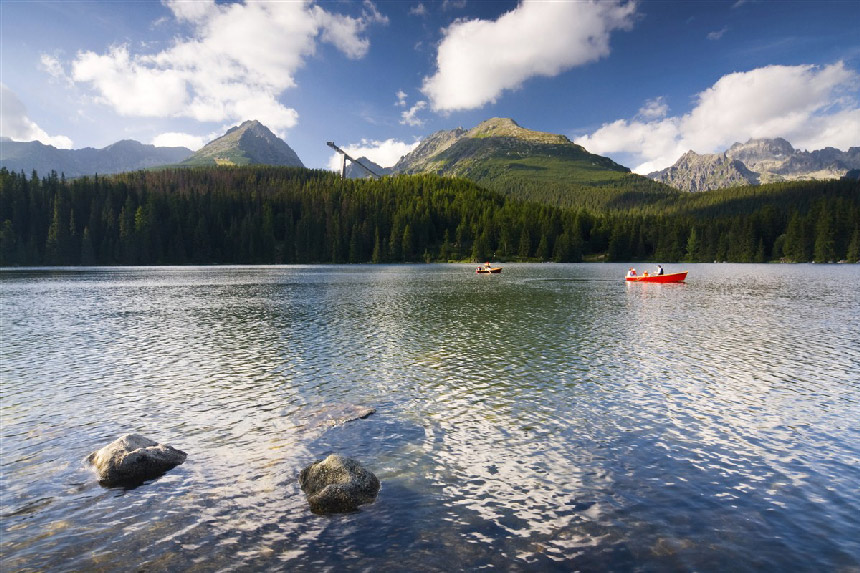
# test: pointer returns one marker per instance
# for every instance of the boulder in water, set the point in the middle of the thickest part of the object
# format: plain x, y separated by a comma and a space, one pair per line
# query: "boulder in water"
338, 485
133, 459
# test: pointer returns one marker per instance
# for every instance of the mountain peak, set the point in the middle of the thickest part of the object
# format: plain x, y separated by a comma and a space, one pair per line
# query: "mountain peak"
502, 155
248, 125
507, 127
248, 143
761, 149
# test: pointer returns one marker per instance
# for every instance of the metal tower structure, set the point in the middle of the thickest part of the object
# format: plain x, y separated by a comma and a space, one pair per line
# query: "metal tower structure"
345, 157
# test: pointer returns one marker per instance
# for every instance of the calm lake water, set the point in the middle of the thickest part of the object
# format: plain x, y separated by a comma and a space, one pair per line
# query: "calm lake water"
549, 418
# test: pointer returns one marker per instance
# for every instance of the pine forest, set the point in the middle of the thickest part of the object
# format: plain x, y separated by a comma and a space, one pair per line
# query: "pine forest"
285, 215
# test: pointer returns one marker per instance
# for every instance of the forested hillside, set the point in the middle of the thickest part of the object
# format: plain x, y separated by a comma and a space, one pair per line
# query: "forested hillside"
260, 214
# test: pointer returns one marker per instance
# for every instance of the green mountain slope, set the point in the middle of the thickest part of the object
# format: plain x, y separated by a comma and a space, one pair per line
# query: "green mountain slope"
525, 164
251, 143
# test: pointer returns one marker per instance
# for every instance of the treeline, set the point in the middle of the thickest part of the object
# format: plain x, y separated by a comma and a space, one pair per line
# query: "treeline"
276, 215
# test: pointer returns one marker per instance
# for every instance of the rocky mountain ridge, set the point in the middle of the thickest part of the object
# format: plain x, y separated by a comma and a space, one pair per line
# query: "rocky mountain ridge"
755, 162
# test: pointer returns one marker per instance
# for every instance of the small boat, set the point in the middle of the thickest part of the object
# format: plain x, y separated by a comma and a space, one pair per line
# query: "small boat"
488, 270
667, 278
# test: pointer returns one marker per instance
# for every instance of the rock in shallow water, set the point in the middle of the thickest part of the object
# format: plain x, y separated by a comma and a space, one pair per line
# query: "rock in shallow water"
133, 459
338, 485
338, 414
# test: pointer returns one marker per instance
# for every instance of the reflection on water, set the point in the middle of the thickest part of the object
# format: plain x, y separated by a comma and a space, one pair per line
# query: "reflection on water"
551, 417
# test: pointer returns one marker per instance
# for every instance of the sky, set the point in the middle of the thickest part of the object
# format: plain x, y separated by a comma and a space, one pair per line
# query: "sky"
641, 82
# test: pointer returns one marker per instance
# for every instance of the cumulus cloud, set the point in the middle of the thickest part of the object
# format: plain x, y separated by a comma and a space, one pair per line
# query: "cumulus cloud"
810, 106
383, 153
401, 98
17, 126
177, 139
409, 117
237, 61
654, 109
478, 59
54, 68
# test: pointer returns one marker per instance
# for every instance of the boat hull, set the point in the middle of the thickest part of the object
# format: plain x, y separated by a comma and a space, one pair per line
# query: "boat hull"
669, 278
493, 270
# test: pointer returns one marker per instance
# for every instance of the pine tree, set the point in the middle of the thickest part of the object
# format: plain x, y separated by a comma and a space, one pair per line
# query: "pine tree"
692, 254
852, 255
825, 238
525, 244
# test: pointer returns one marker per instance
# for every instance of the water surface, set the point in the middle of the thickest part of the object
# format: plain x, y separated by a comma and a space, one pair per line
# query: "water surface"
551, 417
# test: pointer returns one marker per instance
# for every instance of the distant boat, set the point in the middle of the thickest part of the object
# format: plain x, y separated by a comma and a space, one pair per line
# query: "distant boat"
668, 278
488, 270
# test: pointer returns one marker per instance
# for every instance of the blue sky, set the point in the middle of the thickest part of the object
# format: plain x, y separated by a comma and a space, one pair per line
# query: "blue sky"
641, 82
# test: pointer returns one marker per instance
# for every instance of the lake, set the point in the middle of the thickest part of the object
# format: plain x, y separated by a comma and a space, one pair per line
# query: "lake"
551, 417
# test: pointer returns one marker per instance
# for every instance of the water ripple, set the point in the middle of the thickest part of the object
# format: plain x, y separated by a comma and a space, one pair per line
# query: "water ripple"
550, 418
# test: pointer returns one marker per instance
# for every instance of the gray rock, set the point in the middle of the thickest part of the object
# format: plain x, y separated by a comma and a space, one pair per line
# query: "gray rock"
338, 414
133, 459
338, 485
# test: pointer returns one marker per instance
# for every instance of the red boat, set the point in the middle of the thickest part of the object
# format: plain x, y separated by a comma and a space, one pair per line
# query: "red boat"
668, 278
486, 270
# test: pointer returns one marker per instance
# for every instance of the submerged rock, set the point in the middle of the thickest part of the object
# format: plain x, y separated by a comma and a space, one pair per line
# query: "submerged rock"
338, 414
338, 485
133, 459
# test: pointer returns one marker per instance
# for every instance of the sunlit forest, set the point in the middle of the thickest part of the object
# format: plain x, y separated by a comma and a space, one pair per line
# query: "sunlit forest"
277, 215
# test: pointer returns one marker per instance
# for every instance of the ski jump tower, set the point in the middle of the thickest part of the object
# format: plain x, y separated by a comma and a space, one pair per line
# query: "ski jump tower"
345, 157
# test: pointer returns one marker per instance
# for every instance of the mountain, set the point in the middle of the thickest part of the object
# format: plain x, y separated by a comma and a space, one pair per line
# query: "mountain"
126, 155
529, 165
694, 172
754, 162
499, 153
354, 171
250, 143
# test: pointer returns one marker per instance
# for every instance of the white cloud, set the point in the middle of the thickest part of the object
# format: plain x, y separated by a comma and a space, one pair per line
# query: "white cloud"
401, 98
176, 139
239, 58
52, 65
383, 153
408, 117
716, 35
16, 125
654, 109
418, 10
478, 59
810, 106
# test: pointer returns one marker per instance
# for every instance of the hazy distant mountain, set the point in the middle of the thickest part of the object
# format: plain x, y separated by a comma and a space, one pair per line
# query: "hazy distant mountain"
516, 161
250, 143
126, 155
754, 162
354, 171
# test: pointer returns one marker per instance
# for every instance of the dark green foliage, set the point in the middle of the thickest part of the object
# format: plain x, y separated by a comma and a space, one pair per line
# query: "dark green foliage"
261, 214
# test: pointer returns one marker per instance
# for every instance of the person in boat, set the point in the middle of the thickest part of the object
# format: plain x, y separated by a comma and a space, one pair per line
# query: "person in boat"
631, 272
659, 271
487, 264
